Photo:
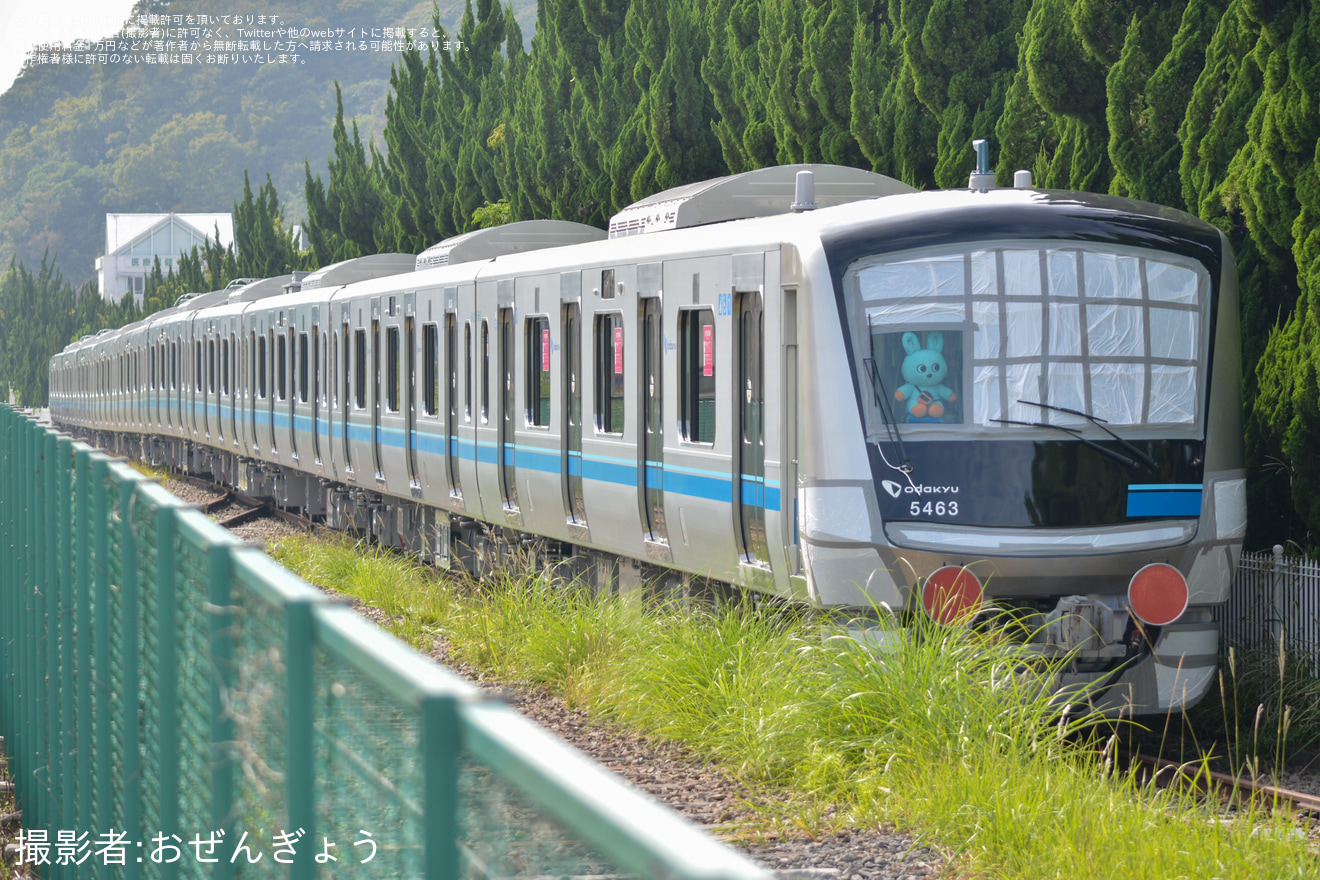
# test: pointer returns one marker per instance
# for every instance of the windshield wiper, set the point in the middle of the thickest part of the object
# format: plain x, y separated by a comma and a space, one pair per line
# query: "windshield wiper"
886, 409
1076, 435
1099, 423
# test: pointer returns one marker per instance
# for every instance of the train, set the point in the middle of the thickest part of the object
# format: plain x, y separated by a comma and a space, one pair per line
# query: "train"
804, 383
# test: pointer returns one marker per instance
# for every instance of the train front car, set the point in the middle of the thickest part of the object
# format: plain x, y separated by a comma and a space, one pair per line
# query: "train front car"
1049, 389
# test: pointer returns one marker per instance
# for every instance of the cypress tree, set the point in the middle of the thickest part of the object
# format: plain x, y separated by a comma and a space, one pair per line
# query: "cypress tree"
410, 111
343, 217
874, 56
1066, 82
718, 73
1277, 169
827, 52
263, 247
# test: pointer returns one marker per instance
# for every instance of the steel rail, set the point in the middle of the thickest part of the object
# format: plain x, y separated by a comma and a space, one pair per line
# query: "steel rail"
1166, 772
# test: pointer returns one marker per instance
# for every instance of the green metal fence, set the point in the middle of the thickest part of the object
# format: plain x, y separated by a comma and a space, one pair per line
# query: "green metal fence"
175, 705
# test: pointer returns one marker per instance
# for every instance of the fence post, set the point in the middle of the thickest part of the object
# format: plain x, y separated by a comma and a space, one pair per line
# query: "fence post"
441, 748
168, 679
103, 769
220, 616
50, 633
83, 643
129, 662
301, 773
66, 746
1276, 583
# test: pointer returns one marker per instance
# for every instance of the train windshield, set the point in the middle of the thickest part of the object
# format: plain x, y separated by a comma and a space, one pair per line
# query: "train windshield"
1008, 336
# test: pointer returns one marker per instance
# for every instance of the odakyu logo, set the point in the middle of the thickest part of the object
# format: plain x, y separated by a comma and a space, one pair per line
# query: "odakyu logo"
897, 489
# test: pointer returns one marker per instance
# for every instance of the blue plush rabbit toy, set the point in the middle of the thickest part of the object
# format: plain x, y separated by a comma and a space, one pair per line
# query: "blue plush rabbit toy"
924, 370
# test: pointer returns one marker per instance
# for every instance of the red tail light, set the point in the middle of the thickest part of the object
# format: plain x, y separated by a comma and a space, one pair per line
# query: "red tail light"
1158, 594
951, 593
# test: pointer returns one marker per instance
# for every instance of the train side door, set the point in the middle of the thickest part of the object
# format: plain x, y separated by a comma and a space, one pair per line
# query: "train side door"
652, 443
265, 394
291, 389
453, 397
470, 356
749, 393
347, 364
507, 444
574, 500
253, 371
211, 406
318, 347
373, 383
235, 396
410, 388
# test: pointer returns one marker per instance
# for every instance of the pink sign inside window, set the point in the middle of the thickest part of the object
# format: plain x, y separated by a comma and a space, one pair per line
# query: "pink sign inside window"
618, 351
545, 351
708, 350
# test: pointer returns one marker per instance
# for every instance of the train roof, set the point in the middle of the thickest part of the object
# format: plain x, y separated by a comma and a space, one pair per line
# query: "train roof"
510, 238
358, 269
763, 192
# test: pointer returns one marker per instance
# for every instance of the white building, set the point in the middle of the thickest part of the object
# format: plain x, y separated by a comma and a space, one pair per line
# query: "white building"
134, 241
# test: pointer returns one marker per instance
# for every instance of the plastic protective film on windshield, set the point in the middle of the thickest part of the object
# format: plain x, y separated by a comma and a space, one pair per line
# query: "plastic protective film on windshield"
978, 336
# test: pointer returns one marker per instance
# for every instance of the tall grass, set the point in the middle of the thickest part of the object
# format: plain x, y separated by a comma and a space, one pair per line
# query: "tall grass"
946, 733
1266, 708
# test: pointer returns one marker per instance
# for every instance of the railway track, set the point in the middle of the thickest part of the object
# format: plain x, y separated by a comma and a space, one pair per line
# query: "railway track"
232, 508
1231, 789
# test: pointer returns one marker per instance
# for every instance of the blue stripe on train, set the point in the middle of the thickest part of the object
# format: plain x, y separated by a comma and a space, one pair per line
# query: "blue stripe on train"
695, 483
1169, 499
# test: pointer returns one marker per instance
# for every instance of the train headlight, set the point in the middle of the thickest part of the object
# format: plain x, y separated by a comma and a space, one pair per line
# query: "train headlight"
1158, 594
951, 594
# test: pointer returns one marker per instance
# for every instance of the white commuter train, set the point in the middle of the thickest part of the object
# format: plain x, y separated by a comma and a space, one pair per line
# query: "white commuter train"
946, 400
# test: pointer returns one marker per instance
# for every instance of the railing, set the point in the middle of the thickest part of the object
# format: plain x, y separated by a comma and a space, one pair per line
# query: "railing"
1275, 596
164, 688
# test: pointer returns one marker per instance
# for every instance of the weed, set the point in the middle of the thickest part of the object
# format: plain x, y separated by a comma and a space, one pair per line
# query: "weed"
945, 731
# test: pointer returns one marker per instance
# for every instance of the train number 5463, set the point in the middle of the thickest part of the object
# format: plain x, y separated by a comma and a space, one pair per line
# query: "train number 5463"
934, 508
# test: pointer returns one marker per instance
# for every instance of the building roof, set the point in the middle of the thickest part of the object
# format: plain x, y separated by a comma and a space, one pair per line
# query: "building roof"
122, 230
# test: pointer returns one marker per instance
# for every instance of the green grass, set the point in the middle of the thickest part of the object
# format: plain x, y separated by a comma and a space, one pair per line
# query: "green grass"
947, 734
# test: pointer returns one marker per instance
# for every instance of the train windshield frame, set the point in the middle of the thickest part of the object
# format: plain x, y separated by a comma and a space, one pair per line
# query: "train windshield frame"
1002, 338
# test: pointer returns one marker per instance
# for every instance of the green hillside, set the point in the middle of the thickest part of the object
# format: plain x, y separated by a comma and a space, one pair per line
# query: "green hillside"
78, 142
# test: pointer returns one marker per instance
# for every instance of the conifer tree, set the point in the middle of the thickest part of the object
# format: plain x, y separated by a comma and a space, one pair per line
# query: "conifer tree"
410, 111
343, 216
263, 247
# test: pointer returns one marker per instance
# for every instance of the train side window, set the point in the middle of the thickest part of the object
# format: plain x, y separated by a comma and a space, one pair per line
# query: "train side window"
696, 375
210, 366
346, 361
485, 371
392, 369
431, 369
538, 372
467, 359
224, 367
609, 373
261, 367
303, 378
360, 369
281, 368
